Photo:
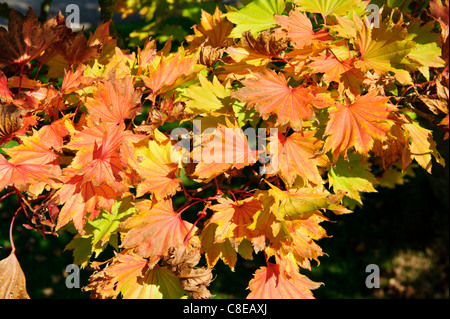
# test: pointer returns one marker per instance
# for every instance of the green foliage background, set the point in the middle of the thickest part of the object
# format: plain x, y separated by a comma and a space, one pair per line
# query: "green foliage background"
405, 231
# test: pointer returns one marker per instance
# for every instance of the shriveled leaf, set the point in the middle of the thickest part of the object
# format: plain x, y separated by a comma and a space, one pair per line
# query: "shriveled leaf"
181, 260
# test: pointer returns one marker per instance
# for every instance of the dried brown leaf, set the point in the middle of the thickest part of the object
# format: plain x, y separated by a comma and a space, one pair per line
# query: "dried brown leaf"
12, 279
181, 260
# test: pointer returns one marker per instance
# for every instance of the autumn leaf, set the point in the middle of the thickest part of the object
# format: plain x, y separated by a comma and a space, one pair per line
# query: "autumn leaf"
82, 200
422, 146
181, 260
12, 279
209, 96
297, 201
270, 93
297, 156
328, 7
100, 232
129, 274
213, 31
167, 72
154, 229
26, 38
352, 176
233, 218
157, 167
358, 124
342, 72
215, 250
223, 148
298, 28
269, 283
114, 101
256, 16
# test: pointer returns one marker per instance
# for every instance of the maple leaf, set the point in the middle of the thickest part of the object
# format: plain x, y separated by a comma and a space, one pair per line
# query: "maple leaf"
157, 168
298, 28
32, 166
114, 101
154, 229
26, 38
215, 250
129, 274
270, 283
82, 200
301, 242
6, 96
256, 16
358, 124
181, 261
100, 232
233, 218
213, 30
270, 93
209, 97
121, 275
297, 156
422, 146
12, 279
382, 49
342, 72
352, 176
298, 201
328, 7
223, 148
167, 72
99, 161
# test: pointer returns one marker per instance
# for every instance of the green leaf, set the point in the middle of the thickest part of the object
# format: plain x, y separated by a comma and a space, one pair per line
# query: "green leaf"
209, 97
352, 176
327, 7
255, 17
100, 232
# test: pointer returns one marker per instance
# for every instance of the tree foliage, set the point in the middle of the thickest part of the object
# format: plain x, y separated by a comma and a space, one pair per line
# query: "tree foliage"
142, 150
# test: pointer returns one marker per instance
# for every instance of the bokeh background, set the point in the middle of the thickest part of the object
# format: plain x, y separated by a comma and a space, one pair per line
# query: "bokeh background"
405, 231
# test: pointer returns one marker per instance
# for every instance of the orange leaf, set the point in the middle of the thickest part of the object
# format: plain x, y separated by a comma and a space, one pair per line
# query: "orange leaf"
167, 72
114, 101
270, 283
342, 72
81, 200
271, 94
154, 229
213, 30
225, 148
297, 156
233, 218
298, 28
358, 124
